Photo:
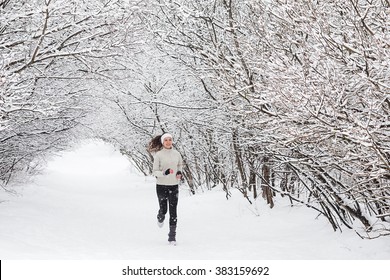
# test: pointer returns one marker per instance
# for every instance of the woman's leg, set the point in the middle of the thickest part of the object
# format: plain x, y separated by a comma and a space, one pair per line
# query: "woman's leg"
173, 198
162, 195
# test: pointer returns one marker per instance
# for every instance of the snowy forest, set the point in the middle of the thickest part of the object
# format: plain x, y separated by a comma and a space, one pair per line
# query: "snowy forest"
283, 99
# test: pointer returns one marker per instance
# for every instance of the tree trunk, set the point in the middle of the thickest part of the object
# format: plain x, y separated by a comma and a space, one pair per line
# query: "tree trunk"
267, 192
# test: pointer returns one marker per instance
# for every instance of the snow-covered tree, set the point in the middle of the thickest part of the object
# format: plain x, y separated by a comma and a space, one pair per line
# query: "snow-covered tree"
51, 54
305, 89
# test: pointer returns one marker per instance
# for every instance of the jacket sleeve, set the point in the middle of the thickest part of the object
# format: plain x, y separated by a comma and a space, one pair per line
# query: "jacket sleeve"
156, 166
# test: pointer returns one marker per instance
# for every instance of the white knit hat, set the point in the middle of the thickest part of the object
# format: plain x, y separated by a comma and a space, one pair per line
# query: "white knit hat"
165, 135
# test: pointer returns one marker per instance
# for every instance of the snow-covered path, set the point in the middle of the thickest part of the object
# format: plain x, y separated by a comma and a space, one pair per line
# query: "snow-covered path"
90, 203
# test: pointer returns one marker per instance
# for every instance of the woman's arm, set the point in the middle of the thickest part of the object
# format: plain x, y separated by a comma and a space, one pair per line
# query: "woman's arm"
156, 167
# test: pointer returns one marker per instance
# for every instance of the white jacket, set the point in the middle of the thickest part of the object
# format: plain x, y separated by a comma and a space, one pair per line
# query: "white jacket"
167, 159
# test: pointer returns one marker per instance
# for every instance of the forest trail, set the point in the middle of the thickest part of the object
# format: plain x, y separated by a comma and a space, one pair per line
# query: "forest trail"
90, 203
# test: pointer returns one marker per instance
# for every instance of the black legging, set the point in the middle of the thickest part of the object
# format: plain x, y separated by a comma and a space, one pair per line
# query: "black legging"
165, 194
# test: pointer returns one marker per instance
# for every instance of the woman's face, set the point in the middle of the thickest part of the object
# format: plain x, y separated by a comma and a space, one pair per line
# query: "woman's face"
167, 143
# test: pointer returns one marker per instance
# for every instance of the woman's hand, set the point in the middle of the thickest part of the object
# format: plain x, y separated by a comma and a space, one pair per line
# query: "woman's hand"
168, 171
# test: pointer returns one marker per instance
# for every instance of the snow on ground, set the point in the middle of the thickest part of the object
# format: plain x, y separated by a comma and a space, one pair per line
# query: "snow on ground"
90, 203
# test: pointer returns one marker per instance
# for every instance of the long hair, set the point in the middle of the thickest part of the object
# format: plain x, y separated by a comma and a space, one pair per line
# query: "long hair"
155, 144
